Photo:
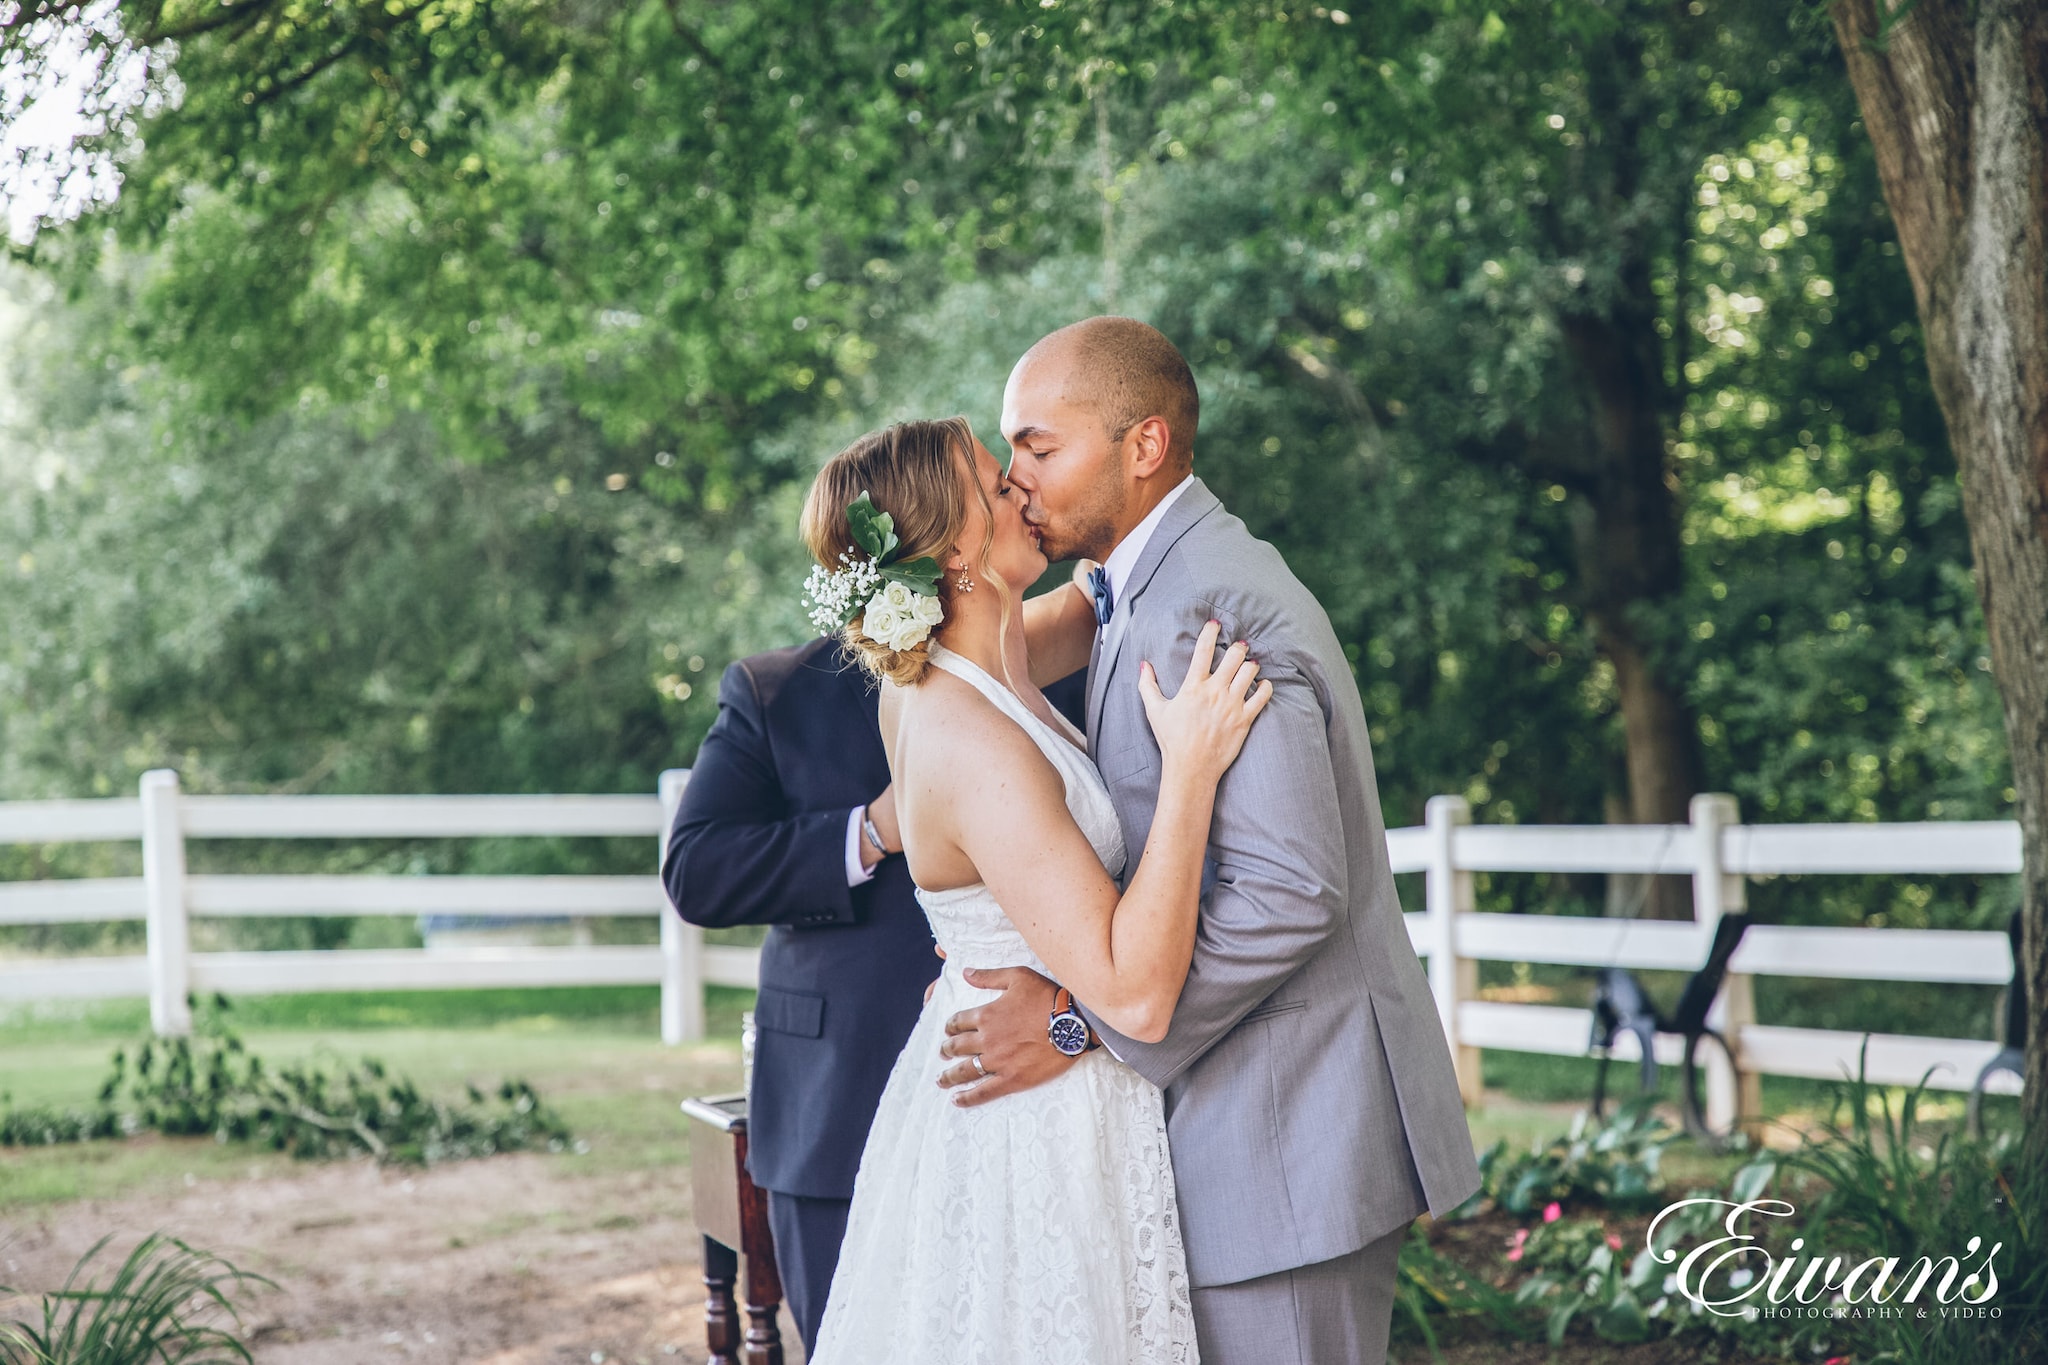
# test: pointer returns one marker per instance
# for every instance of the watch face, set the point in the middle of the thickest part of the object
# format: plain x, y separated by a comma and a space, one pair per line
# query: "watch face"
1069, 1033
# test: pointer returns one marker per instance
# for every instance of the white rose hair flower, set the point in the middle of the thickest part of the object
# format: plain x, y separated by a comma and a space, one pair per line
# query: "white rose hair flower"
897, 603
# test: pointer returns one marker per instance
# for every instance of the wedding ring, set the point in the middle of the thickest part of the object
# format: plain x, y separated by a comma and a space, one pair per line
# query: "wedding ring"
979, 1069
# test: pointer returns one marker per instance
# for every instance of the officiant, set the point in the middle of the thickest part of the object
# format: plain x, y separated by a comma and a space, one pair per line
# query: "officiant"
788, 820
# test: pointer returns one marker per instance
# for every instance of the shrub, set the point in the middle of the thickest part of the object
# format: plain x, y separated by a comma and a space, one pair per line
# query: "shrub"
162, 1307
1876, 1180
1613, 1164
210, 1085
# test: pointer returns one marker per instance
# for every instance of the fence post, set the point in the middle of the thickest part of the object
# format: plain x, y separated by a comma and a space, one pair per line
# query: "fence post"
163, 892
682, 943
1732, 1095
1452, 979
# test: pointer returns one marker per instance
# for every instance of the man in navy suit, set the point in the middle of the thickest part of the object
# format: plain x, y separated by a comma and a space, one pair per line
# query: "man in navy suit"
788, 821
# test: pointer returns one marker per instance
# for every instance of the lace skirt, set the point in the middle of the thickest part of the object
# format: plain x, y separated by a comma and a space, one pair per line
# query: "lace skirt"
1039, 1229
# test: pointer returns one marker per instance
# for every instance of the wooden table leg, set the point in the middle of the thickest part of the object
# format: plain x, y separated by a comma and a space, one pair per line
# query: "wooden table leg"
764, 1278
764, 1338
721, 1313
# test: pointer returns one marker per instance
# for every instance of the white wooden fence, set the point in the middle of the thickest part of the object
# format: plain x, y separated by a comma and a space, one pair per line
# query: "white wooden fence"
167, 897
1715, 850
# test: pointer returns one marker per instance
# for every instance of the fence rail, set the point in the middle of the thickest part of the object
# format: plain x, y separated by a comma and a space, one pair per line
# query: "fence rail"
1715, 850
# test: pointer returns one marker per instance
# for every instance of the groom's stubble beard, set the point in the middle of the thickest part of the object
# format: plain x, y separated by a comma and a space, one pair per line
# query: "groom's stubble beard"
1085, 532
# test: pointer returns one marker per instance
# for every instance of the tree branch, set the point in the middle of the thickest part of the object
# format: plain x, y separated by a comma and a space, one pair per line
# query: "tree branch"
244, 13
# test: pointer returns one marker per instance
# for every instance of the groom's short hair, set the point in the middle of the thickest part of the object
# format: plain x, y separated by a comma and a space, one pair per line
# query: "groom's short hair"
1128, 371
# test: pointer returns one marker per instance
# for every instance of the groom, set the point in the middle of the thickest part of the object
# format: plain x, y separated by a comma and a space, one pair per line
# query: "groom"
1311, 1105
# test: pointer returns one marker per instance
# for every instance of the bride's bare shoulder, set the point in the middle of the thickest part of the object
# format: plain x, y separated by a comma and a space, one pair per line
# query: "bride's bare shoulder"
950, 721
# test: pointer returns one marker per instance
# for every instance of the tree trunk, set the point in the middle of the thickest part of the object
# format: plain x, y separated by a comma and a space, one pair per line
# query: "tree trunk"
1629, 556
1956, 100
1629, 566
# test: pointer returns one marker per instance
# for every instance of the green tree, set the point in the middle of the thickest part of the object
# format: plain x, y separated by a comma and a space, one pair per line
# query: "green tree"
1953, 95
1558, 346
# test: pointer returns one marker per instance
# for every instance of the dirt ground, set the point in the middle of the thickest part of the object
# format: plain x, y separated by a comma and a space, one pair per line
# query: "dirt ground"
515, 1260
506, 1261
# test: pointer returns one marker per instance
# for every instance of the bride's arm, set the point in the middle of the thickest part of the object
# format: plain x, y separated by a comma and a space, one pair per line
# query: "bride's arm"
1127, 957
1059, 629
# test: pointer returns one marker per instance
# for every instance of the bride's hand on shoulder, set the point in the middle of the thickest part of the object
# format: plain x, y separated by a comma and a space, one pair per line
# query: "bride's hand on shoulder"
1202, 727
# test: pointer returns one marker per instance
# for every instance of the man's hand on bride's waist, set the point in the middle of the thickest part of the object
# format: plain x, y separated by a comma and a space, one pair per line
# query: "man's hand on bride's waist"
1007, 1036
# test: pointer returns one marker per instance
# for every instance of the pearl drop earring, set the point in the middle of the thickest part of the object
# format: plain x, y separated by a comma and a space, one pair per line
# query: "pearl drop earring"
963, 582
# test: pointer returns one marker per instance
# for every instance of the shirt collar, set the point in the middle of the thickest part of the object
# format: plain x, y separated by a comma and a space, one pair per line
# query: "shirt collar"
1124, 558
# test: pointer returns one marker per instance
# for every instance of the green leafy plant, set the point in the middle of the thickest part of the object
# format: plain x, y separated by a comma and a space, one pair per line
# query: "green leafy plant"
210, 1084
1615, 1163
1581, 1270
1879, 1178
162, 1307
1429, 1284
875, 531
44, 1126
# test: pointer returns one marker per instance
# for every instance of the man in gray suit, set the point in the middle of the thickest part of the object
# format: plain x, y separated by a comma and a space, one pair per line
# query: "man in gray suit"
1311, 1106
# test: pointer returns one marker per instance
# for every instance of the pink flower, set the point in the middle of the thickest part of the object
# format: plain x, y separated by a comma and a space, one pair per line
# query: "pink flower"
1614, 1240
1554, 1212
1837, 1360
1515, 1250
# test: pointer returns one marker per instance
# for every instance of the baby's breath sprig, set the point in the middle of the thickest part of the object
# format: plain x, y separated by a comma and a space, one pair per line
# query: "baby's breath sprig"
836, 596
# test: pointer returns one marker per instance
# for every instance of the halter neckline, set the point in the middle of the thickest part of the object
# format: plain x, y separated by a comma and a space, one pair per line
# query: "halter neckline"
1007, 701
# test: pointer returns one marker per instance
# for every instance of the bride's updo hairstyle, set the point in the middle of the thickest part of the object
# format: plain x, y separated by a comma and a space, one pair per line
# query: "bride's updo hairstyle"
919, 473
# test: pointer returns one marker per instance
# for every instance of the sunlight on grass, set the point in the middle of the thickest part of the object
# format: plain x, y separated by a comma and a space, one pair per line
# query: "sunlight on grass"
593, 1054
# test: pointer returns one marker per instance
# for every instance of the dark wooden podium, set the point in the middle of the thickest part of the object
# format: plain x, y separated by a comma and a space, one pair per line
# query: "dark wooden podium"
732, 1215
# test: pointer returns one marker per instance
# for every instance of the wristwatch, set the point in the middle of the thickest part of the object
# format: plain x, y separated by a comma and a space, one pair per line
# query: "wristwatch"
1067, 1030
873, 834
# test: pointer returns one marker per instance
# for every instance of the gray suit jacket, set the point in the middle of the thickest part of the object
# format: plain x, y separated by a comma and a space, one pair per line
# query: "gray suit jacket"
1311, 1106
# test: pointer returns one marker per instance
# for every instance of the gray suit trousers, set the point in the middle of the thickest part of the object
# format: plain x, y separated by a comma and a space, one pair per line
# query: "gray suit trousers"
1335, 1312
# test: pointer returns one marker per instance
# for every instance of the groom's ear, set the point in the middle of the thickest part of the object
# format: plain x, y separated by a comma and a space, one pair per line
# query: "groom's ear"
1148, 447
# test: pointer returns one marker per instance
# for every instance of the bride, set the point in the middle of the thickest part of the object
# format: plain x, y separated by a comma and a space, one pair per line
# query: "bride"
1042, 1229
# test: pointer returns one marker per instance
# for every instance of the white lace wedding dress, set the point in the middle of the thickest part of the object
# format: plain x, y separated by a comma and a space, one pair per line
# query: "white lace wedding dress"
1038, 1229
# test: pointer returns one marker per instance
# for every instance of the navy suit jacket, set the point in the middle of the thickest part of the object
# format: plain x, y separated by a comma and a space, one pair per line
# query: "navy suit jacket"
760, 838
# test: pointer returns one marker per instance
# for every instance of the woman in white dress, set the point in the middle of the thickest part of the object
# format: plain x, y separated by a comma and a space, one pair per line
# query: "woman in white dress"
1040, 1229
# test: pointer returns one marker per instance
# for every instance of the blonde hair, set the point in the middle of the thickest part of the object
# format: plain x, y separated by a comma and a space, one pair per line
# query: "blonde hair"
919, 473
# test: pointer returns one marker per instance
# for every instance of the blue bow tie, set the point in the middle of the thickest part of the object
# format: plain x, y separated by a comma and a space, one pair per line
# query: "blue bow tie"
1105, 601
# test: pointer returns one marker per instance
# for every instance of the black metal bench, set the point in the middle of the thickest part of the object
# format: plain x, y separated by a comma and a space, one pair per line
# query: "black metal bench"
1621, 1005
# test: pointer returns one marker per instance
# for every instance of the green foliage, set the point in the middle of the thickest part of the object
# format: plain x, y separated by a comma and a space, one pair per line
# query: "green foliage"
875, 532
163, 1305
1581, 1272
1876, 1179
1873, 1180
1614, 1164
208, 1084
1559, 1269
45, 1126
435, 417
1430, 1285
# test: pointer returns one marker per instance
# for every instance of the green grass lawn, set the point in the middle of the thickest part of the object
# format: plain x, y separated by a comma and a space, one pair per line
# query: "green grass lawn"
596, 1054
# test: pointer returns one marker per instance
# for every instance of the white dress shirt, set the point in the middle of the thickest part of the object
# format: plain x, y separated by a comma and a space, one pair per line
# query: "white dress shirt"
856, 873
1124, 558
